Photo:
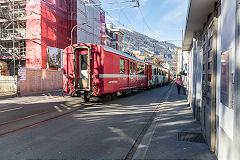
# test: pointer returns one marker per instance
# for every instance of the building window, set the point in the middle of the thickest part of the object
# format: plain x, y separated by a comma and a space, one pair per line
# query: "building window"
140, 68
209, 65
122, 65
209, 77
114, 46
114, 36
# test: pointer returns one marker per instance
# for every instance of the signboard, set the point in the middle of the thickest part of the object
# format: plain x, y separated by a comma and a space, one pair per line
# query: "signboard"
54, 57
22, 74
61, 58
225, 78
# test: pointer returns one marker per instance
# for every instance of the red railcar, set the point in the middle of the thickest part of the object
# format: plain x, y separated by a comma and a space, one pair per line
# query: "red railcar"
95, 70
92, 69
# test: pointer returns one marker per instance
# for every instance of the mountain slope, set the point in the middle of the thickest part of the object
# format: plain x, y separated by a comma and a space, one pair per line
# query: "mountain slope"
134, 41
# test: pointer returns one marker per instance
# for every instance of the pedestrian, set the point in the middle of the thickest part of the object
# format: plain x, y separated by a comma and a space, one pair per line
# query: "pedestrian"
179, 84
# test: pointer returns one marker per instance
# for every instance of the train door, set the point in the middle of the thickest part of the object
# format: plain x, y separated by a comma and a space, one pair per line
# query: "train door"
147, 73
82, 68
127, 64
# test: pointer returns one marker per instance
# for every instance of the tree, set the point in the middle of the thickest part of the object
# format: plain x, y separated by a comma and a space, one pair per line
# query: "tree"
157, 60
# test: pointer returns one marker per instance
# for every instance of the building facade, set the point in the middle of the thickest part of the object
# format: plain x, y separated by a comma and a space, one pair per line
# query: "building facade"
114, 37
34, 32
212, 42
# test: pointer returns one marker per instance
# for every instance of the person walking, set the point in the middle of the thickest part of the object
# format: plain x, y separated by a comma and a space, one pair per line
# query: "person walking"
179, 84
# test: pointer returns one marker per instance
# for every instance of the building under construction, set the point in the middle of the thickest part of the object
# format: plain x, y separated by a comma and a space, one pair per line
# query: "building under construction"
34, 32
13, 32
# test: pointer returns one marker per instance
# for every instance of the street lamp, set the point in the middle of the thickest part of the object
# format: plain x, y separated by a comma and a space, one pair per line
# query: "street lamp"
75, 27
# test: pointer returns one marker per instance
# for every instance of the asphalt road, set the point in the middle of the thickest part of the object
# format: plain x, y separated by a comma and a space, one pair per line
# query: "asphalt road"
99, 131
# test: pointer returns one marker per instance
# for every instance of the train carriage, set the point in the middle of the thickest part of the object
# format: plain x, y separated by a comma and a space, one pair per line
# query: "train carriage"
95, 70
92, 69
156, 75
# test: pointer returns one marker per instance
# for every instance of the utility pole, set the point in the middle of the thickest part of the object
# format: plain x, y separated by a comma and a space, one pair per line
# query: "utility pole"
182, 51
13, 39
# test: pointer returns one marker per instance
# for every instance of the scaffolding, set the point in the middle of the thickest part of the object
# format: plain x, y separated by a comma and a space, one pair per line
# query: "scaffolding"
12, 28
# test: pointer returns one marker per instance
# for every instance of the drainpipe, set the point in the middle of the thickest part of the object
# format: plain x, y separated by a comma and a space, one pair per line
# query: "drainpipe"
237, 88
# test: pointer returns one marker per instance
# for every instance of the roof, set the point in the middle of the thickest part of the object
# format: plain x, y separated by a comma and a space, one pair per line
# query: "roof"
198, 11
121, 53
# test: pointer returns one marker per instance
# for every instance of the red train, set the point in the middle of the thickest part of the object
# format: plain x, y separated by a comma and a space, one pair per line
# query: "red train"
95, 70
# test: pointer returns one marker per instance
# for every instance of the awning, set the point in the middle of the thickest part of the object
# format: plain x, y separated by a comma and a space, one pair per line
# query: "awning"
198, 11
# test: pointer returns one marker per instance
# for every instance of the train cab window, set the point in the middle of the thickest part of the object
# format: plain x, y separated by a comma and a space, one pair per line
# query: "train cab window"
140, 69
134, 68
122, 65
131, 68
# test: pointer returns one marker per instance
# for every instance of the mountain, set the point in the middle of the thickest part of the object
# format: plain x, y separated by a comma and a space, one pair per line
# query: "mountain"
134, 41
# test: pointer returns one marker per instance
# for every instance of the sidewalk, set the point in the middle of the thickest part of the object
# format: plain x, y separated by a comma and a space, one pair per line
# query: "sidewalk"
6, 100
174, 134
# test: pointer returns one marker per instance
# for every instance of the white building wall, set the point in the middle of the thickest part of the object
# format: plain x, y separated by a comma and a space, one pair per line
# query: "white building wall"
185, 59
179, 52
226, 114
198, 75
90, 32
227, 118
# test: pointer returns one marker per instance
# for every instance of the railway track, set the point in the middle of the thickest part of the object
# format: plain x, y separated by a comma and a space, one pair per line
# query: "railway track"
36, 119
17, 125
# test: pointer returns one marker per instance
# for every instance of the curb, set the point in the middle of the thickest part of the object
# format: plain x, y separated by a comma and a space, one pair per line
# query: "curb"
8, 96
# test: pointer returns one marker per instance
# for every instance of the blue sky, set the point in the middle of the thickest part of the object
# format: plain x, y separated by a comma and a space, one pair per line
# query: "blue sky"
165, 18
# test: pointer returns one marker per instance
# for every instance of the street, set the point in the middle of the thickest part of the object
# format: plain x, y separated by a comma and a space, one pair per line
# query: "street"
107, 130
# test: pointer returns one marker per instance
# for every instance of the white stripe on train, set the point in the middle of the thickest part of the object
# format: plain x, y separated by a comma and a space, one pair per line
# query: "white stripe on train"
120, 76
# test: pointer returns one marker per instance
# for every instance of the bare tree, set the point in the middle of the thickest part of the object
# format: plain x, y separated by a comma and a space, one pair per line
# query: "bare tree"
158, 60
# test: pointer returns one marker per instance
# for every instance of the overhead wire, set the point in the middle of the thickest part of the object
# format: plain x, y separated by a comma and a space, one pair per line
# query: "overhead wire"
144, 20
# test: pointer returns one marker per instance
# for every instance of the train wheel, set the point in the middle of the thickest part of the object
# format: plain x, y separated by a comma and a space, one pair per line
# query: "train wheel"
86, 99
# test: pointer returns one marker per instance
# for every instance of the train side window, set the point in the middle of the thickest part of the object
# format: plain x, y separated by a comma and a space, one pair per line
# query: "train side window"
122, 65
131, 68
134, 68
140, 68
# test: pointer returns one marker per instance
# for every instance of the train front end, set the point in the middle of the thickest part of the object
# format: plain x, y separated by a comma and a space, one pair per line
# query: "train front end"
78, 70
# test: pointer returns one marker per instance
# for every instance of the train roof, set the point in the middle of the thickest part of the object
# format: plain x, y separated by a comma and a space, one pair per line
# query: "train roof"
121, 53
156, 65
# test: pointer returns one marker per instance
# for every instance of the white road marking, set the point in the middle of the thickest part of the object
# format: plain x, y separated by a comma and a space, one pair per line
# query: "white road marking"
57, 108
64, 106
